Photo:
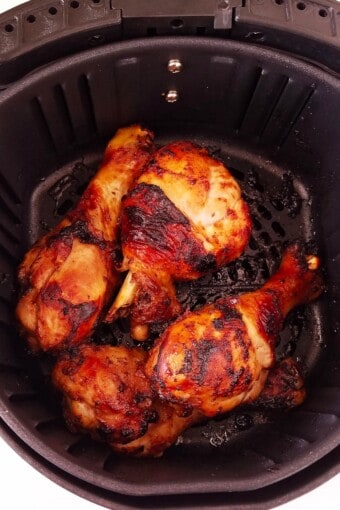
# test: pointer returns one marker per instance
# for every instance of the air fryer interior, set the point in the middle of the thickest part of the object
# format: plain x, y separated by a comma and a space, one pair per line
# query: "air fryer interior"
275, 122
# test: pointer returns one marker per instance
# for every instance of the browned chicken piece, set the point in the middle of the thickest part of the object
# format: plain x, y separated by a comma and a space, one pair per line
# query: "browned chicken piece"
217, 358
184, 217
107, 394
68, 276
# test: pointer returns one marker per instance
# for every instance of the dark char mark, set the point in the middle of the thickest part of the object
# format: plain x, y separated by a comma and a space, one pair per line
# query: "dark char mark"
168, 232
79, 230
204, 349
51, 295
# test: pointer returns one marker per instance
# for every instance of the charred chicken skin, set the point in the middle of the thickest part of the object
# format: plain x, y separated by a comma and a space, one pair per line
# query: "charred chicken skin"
284, 387
217, 358
107, 394
184, 217
68, 276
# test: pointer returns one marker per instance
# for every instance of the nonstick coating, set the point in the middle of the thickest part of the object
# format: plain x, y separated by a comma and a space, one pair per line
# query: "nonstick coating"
266, 117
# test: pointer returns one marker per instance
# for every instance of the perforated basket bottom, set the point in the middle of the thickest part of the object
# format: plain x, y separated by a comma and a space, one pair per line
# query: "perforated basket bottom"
281, 209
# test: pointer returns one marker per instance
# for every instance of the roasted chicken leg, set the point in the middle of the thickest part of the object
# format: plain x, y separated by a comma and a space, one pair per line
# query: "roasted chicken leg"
107, 394
218, 357
185, 216
68, 276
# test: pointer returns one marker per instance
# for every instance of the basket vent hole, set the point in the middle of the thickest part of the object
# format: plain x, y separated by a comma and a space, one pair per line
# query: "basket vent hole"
31, 18
110, 463
74, 4
96, 39
274, 252
253, 244
18, 398
279, 2
49, 426
177, 23
200, 30
267, 215
257, 224
265, 238
248, 269
301, 6
9, 28
255, 36
232, 273
278, 229
323, 13
151, 31
53, 11
86, 446
264, 269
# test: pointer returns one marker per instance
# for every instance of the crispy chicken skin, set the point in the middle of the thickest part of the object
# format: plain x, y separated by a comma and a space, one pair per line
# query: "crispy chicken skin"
217, 358
107, 394
184, 217
106, 391
68, 276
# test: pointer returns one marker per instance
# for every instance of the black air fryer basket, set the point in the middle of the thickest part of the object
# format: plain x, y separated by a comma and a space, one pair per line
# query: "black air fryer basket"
255, 81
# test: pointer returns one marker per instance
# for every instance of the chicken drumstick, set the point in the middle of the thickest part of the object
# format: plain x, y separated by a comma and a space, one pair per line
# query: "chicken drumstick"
184, 216
107, 394
218, 357
68, 275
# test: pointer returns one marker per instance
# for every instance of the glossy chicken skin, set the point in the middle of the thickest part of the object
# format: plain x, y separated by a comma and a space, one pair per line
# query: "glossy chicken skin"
68, 276
184, 217
217, 358
106, 393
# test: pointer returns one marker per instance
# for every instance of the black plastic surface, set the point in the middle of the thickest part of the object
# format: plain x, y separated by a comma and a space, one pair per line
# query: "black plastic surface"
41, 31
309, 29
275, 121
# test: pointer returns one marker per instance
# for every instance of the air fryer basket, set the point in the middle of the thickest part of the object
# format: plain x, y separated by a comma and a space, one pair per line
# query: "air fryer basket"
274, 119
